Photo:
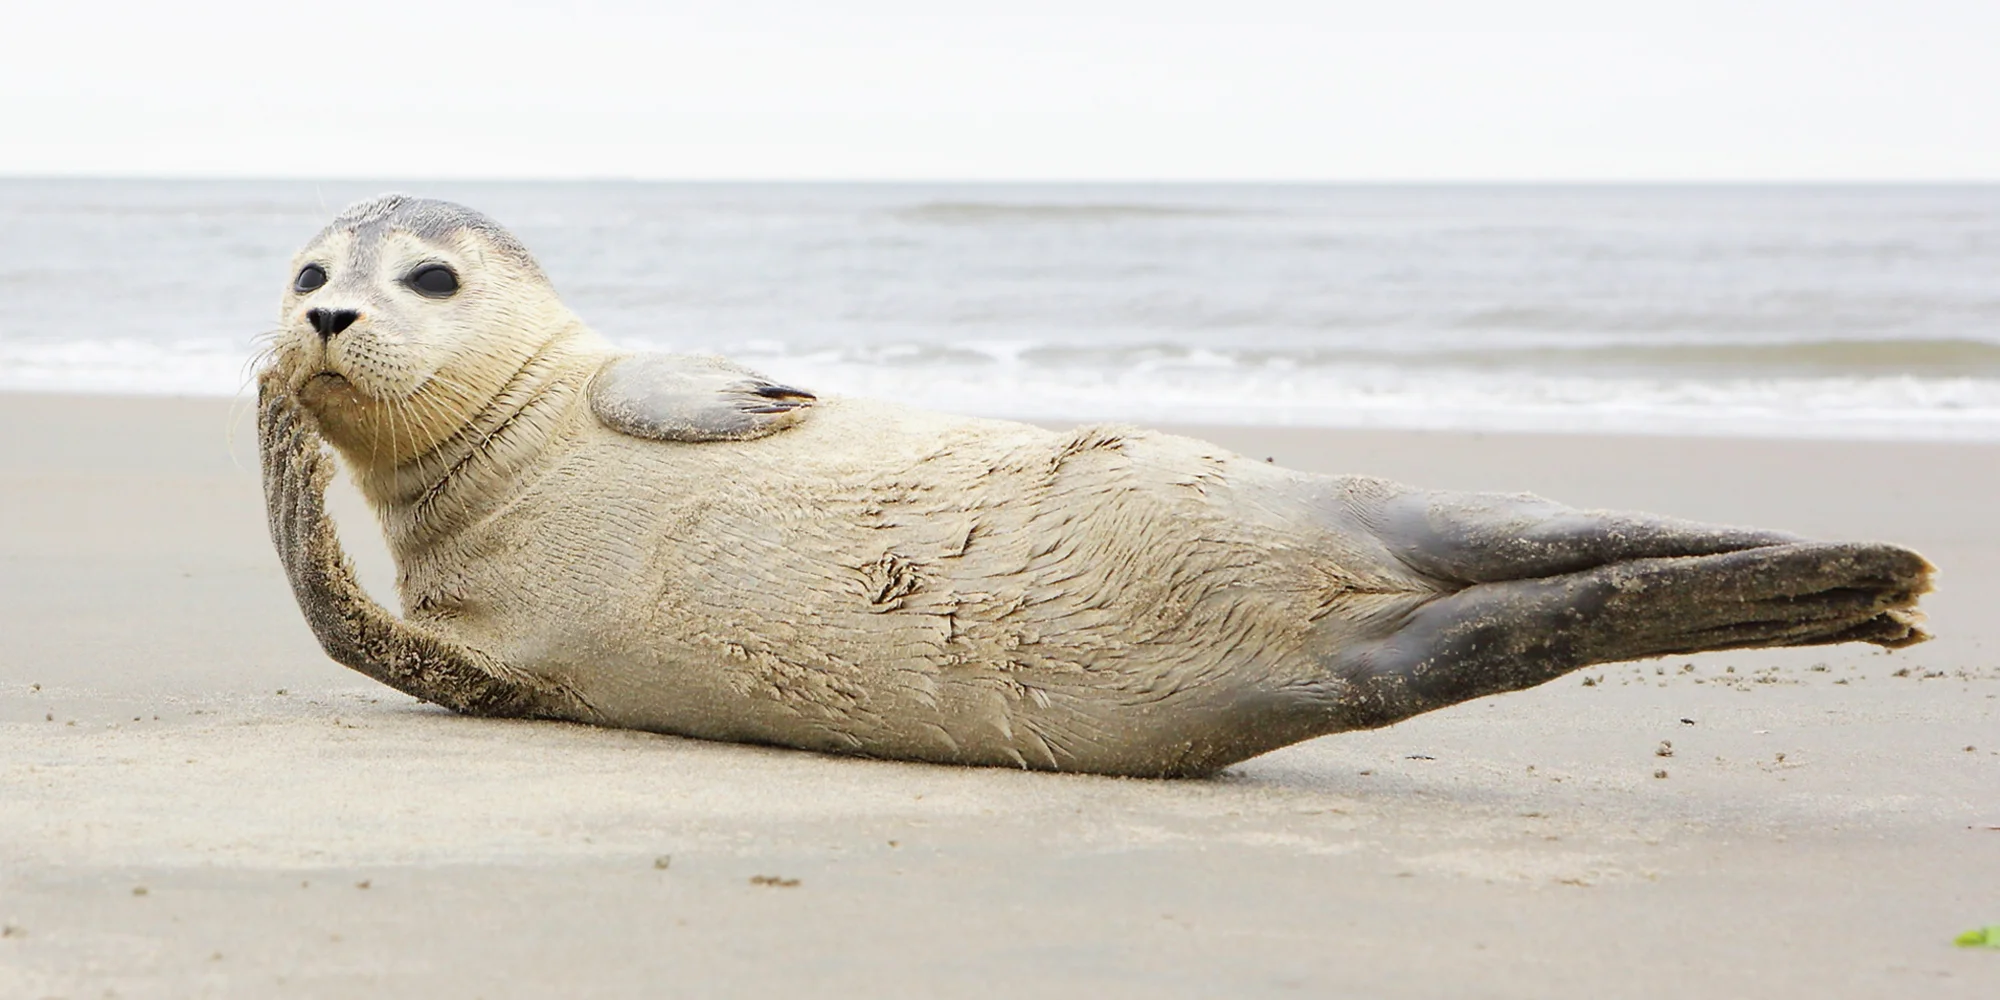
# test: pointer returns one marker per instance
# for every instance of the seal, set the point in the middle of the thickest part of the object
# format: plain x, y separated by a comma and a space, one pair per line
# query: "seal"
676, 544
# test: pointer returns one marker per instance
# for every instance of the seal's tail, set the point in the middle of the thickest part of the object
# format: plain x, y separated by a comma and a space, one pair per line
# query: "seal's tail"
1512, 634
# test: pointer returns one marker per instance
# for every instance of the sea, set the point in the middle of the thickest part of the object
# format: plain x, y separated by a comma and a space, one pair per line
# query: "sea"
1766, 310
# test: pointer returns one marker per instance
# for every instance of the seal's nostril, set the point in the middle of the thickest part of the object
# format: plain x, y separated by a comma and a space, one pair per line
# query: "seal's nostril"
331, 321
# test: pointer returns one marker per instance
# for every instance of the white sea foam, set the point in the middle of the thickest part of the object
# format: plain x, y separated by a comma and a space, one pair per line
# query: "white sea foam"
1211, 388
1896, 406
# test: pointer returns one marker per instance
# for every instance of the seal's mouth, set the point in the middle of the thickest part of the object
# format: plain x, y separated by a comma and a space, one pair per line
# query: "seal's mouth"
323, 391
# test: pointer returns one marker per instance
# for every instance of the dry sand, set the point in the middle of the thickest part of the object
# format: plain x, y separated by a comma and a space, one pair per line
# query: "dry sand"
195, 802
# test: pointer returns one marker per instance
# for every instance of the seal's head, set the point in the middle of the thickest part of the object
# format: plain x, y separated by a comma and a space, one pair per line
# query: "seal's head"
405, 314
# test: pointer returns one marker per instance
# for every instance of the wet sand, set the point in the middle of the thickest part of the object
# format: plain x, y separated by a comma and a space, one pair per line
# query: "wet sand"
195, 802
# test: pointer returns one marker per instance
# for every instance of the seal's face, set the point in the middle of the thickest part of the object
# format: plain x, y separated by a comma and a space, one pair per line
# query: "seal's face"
404, 315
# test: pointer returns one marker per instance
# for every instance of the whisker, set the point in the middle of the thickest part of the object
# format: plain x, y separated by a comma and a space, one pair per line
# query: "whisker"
453, 405
462, 418
395, 409
423, 412
456, 398
439, 415
268, 347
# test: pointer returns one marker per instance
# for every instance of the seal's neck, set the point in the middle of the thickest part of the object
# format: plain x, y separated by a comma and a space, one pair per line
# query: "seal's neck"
495, 447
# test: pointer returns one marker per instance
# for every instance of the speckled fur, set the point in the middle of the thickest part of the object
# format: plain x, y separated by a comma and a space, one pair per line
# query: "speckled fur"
897, 583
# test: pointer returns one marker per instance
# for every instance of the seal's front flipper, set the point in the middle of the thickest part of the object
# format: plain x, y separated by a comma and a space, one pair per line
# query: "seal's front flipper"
354, 630
1469, 538
1510, 635
685, 397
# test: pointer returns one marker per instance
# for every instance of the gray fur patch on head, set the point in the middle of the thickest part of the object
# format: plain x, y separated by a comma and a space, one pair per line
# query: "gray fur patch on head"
425, 218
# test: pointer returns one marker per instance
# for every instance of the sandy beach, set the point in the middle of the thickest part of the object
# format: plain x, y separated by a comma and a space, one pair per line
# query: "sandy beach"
194, 801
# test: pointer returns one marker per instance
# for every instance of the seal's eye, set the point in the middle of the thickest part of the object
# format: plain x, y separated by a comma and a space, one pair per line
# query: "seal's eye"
434, 280
310, 277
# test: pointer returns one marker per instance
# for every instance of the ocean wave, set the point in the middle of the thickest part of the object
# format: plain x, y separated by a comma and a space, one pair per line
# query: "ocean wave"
1867, 407
127, 367
1770, 310
1939, 358
1181, 387
985, 212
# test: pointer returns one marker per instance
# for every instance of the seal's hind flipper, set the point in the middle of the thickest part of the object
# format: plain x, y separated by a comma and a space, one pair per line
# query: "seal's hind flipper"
1510, 635
685, 397
1469, 538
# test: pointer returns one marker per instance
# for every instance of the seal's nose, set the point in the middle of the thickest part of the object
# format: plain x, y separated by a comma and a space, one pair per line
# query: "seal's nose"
331, 321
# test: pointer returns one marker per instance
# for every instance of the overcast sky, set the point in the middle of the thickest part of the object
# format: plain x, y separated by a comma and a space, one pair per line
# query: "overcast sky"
1026, 89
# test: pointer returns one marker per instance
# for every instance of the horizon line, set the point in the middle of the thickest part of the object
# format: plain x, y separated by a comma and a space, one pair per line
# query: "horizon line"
9, 176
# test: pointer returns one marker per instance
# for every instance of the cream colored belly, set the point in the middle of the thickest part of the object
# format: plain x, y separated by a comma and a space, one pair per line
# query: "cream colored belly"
990, 594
